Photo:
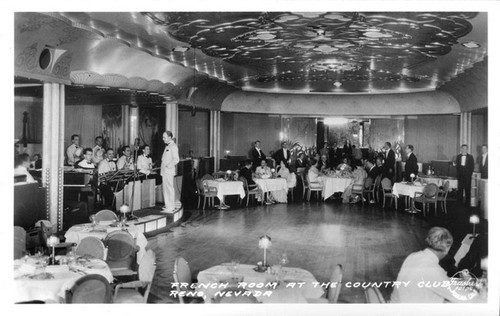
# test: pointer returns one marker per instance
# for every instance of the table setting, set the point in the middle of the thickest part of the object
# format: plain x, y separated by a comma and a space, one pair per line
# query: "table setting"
226, 186
277, 186
269, 283
335, 181
36, 279
101, 229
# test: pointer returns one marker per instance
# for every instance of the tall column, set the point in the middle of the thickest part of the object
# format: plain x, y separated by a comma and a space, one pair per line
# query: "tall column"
466, 128
172, 118
53, 150
133, 124
126, 125
215, 133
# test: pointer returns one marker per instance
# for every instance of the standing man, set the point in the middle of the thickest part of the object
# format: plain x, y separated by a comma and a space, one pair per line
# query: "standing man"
389, 161
282, 155
169, 160
98, 151
257, 155
74, 151
465, 167
411, 165
483, 163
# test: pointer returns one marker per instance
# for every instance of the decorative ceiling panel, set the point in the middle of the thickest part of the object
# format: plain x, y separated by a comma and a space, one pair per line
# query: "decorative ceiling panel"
333, 52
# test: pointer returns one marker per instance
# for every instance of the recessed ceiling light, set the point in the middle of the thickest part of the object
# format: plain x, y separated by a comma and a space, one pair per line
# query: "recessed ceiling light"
471, 44
180, 49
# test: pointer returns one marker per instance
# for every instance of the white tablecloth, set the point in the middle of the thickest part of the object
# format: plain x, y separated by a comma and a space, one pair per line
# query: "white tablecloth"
288, 291
227, 188
80, 231
440, 181
270, 184
333, 184
402, 188
53, 290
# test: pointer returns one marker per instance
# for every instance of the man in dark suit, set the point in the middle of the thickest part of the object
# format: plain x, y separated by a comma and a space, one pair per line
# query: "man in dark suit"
389, 161
483, 162
371, 169
411, 165
465, 167
246, 172
282, 155
257, 155
335, 155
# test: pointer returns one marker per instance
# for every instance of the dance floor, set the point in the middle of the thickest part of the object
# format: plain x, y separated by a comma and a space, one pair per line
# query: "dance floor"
370, 242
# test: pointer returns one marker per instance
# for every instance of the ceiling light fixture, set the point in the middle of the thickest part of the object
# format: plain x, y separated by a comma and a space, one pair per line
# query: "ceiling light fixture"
337, 84
471, 44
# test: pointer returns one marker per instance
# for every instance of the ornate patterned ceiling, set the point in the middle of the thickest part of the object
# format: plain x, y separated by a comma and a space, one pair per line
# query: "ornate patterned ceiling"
332, 52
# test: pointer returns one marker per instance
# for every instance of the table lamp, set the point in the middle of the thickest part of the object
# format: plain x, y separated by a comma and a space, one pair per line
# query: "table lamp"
52, 242
412, 177
124, 209
264, 243
273, 173
228, 174
474, 219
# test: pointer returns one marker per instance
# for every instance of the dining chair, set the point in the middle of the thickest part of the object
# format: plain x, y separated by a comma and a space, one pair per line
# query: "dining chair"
182, 274
292, 183
368, 188
106, 215
377, 188
90, 288
387, 193
228, 297
122, 253
333, 292
138, 291
254, 190
313, 187
207, 192
427, 197
443, 196
374, 296
19, 242
207, 177
91, 246
305, 184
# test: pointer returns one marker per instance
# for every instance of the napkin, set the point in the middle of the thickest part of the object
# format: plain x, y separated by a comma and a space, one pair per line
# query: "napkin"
57, 269
24, 269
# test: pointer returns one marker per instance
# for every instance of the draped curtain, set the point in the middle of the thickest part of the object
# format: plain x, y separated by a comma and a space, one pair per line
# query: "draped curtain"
84, 120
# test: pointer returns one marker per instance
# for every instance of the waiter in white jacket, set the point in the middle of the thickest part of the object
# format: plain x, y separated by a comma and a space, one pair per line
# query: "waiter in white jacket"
169, 160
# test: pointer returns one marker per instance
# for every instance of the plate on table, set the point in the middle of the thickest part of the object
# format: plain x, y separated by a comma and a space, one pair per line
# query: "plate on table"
42, 276
95, 265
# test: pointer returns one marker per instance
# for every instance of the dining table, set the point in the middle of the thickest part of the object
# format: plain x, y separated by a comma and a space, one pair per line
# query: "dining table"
290, 285
333, 184
77, 232
440, 180
226, 187
408, 189
35, 280
274, 185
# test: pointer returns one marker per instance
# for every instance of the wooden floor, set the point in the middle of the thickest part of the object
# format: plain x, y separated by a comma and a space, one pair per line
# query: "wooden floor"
370, 242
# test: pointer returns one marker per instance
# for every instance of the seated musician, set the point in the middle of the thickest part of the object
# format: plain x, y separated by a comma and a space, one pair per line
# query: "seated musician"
22, 165
98, 151
144, 161
126, 161
86, 162
107, 188
108, 164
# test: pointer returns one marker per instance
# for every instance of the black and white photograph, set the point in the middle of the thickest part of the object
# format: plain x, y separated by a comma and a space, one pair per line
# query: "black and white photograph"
294, 157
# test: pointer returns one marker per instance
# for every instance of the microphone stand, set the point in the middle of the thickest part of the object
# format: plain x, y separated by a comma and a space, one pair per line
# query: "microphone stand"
134, 178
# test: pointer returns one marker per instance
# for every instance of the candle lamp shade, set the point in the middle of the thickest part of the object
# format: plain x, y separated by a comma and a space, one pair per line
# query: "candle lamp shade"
474, 219
265, 242
124, 209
